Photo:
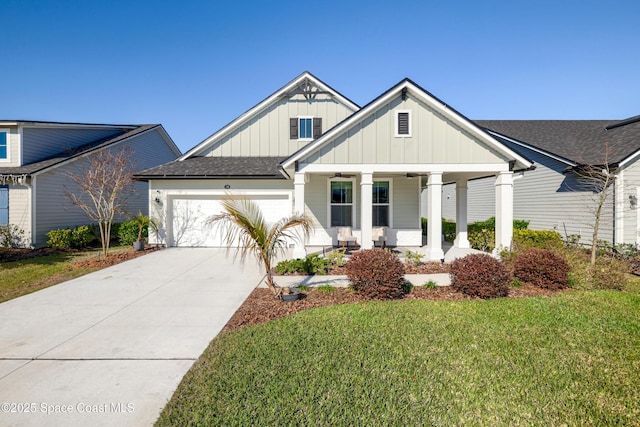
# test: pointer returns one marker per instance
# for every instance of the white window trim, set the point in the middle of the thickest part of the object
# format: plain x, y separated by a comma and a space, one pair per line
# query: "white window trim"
396, 114
8, 132
390, 204
354, 206
299, 127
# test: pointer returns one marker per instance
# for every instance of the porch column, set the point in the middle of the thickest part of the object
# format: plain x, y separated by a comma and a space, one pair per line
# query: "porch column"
504, 211
461, 240
299, 250
434, 208
366, 210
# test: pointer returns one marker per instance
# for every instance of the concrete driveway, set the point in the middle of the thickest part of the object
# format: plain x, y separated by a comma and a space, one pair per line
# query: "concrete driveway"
109, 348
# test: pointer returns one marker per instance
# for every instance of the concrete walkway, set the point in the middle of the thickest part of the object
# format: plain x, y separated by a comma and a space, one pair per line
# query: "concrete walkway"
109, 348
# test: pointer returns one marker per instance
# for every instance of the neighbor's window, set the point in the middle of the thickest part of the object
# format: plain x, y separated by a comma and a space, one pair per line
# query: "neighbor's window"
4, 204
341, 203
403, 123
4, 146
381, 203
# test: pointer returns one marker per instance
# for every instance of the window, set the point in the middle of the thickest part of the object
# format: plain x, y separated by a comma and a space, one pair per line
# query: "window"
4, 205
381, 203
341, 200
403, 123
4, 145
305, 128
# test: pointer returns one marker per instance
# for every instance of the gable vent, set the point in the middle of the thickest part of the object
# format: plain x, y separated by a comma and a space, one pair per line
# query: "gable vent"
403, 123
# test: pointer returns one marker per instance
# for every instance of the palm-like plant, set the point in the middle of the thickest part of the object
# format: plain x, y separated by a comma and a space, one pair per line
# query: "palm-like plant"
246, 227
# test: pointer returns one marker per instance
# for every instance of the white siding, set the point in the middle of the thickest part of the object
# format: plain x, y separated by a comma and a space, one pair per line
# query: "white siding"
406, 203
481, 200
20, 208
267, 133
13, 147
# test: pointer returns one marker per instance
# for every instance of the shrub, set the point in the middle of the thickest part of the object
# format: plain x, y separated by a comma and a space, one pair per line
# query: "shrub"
480, 275
376, 273
607, 273
128, 232
336, 258
82, 236
11, 236
542, 268
524, 239
482, 240
413, 257
60, 239
311, 264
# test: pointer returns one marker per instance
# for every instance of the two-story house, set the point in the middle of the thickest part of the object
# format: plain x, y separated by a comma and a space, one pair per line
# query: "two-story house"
36, 157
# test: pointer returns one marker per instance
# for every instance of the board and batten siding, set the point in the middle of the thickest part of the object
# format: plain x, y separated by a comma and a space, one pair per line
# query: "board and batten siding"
53, 208
434, 139
267, 133
39, 143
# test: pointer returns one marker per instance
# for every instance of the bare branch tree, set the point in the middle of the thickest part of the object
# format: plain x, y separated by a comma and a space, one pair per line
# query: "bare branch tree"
104, 184
597, 179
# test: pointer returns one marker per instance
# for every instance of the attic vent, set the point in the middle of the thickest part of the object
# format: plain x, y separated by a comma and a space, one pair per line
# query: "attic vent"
403, 123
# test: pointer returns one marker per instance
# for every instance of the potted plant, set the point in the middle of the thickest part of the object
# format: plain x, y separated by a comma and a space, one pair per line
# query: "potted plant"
141, 221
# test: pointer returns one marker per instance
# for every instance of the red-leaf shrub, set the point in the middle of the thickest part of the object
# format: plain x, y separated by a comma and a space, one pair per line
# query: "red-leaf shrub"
542, 268
480, 275
376, 273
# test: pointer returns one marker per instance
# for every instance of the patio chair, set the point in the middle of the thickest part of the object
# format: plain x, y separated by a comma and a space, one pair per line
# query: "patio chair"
379, 234
345, 235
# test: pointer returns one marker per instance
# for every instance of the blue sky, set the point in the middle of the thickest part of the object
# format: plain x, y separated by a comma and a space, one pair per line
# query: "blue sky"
196, 65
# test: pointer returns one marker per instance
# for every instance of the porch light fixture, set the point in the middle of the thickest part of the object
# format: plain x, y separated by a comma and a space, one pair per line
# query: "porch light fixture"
157, 199
633, 201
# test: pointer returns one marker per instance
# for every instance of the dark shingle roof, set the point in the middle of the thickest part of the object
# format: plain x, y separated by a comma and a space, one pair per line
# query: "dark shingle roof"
580, 141
216, 168
34, 167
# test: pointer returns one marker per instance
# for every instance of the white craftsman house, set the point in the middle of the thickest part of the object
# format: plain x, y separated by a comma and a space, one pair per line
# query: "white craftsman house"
36, 157
308, 149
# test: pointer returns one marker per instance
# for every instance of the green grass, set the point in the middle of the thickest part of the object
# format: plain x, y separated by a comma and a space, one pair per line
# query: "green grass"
23, 277
571, 359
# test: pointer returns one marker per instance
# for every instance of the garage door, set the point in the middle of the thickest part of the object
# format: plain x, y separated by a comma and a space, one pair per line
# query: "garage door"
190, 215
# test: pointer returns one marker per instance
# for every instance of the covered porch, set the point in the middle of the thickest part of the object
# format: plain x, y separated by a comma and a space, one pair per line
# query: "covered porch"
367, 199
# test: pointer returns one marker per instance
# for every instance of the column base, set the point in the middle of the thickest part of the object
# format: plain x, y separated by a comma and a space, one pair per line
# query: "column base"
435, 254
462, 243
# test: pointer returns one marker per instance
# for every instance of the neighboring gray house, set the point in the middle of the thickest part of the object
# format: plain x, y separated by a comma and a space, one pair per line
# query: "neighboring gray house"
35, 158
551, 196
308, 149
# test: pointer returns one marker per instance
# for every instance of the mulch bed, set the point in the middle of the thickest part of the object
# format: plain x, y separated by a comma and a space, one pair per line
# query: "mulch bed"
14, 254
261, 306
99, 261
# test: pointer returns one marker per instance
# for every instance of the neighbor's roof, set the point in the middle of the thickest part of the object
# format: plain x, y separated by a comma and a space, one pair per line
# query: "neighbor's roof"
216, 168
579, 141
50, 161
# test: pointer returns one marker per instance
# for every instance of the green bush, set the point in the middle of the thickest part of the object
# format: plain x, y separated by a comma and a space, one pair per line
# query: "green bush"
448, 229
128, 232
482, 240
376, 274
336, 258
60, 239
312, 264
82, 236
524, 239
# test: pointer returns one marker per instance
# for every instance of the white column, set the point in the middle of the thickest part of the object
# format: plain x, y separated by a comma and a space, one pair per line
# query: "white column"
504, 211
366, 210
461, 215
299, 251
621, 202
434, 208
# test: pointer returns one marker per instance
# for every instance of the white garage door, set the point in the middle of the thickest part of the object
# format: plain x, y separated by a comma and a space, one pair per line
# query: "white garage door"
190, 215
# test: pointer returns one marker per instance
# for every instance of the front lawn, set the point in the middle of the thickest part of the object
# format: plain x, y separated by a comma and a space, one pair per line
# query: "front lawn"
22, 277
570, 359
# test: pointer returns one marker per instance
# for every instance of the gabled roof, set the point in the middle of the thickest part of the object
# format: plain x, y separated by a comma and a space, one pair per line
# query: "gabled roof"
216, 168
286, 91
577, 141
428, 99
58, 158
